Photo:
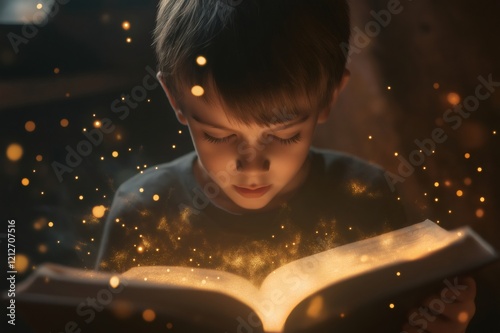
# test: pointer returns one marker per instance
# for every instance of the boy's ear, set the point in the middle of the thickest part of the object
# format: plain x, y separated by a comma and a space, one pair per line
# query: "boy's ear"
175, 106
323, 116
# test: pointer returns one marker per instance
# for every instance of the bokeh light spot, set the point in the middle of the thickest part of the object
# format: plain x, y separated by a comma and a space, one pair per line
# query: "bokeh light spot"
14, 152
197, 91
98, 211
453, 98
148, 315
30, 126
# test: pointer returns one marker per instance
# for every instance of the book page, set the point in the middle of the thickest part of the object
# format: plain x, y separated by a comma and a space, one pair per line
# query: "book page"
288, 285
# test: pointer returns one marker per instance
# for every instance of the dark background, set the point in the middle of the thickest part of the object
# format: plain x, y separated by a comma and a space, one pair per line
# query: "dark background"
78, 64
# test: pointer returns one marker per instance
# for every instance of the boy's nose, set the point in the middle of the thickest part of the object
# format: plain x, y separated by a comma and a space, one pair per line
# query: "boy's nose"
255, 164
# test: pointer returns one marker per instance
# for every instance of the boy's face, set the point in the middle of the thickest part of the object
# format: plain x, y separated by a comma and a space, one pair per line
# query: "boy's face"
247, 167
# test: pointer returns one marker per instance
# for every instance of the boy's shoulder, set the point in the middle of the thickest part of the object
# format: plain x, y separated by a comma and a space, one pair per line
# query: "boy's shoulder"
337, 166
171, 179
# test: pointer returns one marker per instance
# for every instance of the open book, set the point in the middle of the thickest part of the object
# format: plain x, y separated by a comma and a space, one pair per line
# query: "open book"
338, 290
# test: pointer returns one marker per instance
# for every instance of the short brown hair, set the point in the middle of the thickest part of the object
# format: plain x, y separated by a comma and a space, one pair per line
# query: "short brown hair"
262, 55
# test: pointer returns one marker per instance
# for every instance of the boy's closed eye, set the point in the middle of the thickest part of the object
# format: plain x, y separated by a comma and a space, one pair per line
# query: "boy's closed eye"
268, 139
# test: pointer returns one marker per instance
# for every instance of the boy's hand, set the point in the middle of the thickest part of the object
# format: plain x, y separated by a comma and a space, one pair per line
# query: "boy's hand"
449, 311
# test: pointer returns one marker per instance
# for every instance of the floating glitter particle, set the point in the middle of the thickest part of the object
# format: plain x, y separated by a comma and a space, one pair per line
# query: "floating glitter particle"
125, 25
64, 122
25, 181
98, 211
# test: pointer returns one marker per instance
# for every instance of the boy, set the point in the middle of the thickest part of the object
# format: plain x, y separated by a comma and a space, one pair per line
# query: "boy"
251, 79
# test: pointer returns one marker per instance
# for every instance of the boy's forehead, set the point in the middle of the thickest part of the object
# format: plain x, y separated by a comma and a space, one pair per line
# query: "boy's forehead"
215, 110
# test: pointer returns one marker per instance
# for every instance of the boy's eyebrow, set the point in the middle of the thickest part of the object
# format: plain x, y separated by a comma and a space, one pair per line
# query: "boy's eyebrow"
290, 123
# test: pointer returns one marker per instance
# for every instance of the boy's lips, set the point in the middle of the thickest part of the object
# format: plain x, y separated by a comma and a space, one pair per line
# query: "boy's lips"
256, 192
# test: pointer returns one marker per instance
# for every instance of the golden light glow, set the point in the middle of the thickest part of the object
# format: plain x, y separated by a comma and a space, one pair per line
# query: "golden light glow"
436, 184
389, 88
141, 190
140, 249
30, 126
436, 86
398, 273
80, 197
14, 152
370, 137
64, 122
479, 169
479, 213
453, 98
467, 155
114, 282
57, 70
25, 181
125, 25
148, 315
197, 91
39, 6
50, 224
169, 326
467, 181
114, 154
392, 306
173, 146
39, 158
482, 199
128, 40
460, 193
97, 124
201, 60
436, 199
396, 153
156, 197
98, 211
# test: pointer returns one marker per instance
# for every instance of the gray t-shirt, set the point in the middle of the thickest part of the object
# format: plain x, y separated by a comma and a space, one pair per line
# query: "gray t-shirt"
162, 217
